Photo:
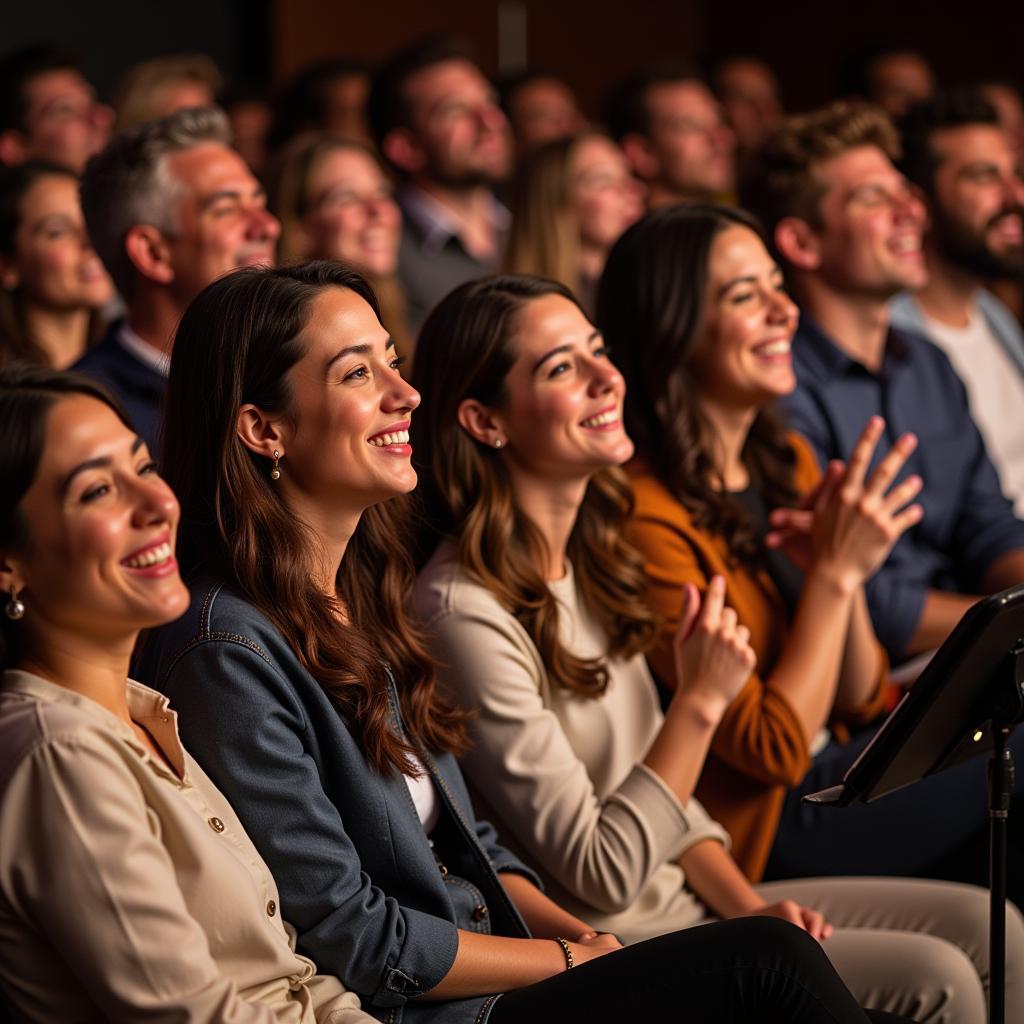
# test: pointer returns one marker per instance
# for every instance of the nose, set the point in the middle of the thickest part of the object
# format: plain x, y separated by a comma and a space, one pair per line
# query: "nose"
399, 394
910, 206
604, 376
782, 308
263, 225
154, 502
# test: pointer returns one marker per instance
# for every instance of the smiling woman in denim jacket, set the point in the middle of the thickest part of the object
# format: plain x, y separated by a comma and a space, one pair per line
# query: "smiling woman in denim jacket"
308, 697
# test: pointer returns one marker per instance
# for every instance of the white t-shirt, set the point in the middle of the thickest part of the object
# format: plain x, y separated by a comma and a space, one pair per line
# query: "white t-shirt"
995, 390
424, 796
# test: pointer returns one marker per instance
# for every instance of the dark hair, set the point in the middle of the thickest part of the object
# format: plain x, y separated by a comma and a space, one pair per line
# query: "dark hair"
651, 309
15, 182
626, 110
509, 85
387, 106
855, 78
239, 337
951, 108
304, 103
465, 351
27, 394
17, 69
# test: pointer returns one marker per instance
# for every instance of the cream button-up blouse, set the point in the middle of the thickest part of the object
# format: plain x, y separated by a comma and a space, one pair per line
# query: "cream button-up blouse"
129, 891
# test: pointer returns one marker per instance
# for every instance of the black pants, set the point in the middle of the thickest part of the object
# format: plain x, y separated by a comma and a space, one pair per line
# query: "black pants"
756, 969
906, 833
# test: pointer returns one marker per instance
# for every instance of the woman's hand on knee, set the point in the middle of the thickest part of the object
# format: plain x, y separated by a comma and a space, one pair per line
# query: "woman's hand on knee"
803, 917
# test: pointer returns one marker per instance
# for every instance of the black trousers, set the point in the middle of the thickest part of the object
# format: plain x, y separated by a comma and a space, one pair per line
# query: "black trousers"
757, 969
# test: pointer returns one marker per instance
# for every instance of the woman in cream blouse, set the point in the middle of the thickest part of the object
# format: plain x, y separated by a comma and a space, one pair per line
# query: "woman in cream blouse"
534, 602
128, 889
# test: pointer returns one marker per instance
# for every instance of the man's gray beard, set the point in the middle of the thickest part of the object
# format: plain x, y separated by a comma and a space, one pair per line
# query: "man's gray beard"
969, 251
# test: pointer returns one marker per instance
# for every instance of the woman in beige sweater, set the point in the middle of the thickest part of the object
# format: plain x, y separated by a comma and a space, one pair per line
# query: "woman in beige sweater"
533, 600
129, 890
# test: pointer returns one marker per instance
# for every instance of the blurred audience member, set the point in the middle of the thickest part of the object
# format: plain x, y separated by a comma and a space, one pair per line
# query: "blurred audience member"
571, 200
52, 283
956, 152
334, 202
891, 77
671, 129
541, 108
48, 111
848, 228
170, 207
437, 121
158, 87
751, 100
329, 96
250, 114
1009, 106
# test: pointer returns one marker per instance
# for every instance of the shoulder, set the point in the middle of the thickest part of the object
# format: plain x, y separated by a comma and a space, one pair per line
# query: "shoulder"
806, 472
651, 497
444, 587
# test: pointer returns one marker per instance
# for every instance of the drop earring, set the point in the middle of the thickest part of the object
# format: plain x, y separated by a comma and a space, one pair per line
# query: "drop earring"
15, 608
275, 472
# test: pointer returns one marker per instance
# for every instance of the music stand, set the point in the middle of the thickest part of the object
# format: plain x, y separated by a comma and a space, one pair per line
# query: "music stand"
966, 702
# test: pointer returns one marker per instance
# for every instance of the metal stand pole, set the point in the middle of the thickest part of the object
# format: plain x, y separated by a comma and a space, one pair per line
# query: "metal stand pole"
1000, 786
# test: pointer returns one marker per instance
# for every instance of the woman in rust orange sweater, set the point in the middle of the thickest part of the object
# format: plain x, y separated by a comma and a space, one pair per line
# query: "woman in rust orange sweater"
693, 307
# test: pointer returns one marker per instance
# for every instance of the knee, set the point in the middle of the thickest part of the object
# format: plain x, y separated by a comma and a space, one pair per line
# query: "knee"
936, 980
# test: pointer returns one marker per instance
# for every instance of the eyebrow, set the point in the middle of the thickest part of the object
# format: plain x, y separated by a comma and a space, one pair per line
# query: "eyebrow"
776, 271
363, 350
97, 463
560, 349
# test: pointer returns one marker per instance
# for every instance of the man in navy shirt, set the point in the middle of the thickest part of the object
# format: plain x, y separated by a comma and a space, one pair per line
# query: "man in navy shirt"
847, 228
170, 206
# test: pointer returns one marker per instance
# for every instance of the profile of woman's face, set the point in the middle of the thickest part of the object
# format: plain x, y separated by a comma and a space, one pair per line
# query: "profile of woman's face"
352, 215
102, 526
54, 264
346, 438
561, 418
605, 195
743, 357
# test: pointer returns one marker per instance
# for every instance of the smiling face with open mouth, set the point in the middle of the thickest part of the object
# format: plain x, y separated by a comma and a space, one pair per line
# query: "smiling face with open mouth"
562, 409
743, 358
102, 525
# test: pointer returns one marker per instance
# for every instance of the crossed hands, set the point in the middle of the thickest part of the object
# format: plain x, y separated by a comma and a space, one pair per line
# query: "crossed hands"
847, 525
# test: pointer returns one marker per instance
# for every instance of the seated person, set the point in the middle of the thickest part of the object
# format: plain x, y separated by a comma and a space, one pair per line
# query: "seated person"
695, 304
571, 199
955, 151
847, 229
52, 284
312, 700
169, 206
334, 202
533, 603
129, 890
540, 108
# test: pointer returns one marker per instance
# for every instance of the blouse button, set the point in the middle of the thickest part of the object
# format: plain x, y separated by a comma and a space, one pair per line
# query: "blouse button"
271, 908
479, 912
216, 824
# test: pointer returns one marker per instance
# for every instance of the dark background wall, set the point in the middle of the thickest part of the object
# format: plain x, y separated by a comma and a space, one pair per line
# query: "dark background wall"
591, 42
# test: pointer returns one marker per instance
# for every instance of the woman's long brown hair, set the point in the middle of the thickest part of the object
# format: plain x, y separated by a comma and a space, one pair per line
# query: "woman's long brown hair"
465, 350
236, 344
650, 308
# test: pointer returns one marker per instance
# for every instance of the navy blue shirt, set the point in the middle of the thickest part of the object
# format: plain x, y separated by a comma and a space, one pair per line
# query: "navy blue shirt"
968, 523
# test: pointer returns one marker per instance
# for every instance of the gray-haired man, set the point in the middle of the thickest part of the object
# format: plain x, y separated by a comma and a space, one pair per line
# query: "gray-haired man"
170, 207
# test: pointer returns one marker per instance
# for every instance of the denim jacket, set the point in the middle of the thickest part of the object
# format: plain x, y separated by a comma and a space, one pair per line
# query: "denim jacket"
374, 901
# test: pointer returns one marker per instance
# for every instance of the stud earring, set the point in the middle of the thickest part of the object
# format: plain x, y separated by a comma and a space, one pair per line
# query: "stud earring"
275, 472
15, 608
498, 442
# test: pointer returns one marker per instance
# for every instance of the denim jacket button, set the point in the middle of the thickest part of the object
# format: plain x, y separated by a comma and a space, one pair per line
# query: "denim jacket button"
479, 912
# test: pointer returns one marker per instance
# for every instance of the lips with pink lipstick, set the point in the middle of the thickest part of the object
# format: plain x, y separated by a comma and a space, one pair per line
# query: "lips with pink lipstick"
393, 440
155, 559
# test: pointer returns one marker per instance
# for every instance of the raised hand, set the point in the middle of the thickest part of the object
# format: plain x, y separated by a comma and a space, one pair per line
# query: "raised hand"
851, 523
712, 649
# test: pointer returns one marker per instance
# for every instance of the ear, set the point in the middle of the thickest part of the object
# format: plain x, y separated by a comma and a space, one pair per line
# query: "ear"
149, 252
9, 277
258, 432
13, 148
10, 576
402, 149
480, 423
640, 156
798, 243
